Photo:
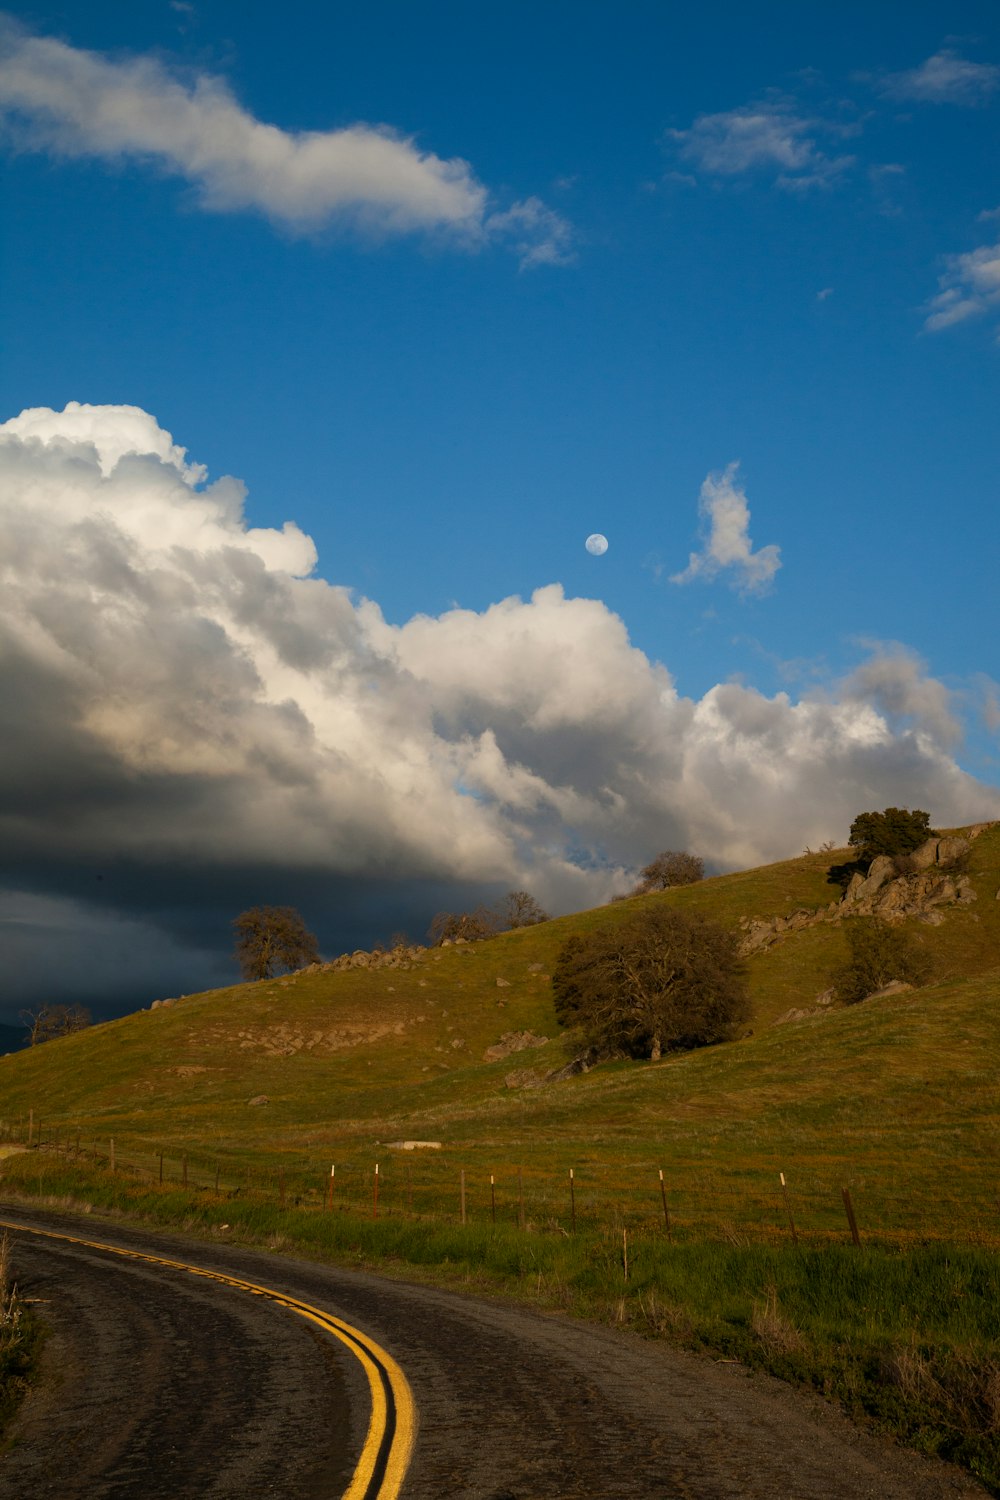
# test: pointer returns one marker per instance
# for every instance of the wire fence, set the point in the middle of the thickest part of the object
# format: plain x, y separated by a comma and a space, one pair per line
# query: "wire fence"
680, 1200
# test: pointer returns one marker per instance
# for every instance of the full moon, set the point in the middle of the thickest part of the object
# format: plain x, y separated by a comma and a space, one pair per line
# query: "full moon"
596, 544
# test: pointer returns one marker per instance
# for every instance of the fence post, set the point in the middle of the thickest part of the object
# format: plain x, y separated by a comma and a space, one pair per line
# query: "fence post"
493, 1199
520, 1198
184, 1168
375, 1194
112, 1158
161, 1168
281, 1187
329, 1190
666, 1211
216, 1179
572, 1203
462, 1191
852, 1221
31, 1125
788, 1209
625, 1253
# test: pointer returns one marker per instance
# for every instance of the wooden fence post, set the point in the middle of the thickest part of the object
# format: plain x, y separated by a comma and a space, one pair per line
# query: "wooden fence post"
161, 1168
520, 1198
112, 1157
852, 1221
663, 1196
493, 1199
216, 1179
329, 1190
625, 1253
788, 1209
31, 1125
375, 1194
281, 1187
572, 1203
184, 1169
462, 1191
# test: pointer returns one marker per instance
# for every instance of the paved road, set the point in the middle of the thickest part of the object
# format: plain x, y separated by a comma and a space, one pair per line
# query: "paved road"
165, 1387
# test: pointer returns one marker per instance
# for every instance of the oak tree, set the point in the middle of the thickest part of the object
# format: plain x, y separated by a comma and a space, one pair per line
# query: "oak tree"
272, 940
661, 980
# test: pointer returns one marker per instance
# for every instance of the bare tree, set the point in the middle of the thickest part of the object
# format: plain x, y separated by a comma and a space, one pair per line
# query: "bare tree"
520, 909
473, 926
672, 867
47, 1022
271, 940
661, 980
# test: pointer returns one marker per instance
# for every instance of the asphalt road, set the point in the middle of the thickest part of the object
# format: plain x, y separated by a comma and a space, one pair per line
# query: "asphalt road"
162, 1386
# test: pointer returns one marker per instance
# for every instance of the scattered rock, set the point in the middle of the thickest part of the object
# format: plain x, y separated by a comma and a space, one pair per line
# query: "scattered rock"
414, 1145
534, 968
582, 1063
894, 987
459, 1043
513, 1041
259, 1099
523, 1078
503, 984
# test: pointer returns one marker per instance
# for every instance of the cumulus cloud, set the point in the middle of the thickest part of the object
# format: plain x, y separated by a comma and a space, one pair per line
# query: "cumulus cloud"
725, 518
970, 287
193, 712
945, 78
74, 103
769, 138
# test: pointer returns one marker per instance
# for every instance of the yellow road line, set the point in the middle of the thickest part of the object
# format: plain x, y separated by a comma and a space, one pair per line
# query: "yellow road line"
392, 1426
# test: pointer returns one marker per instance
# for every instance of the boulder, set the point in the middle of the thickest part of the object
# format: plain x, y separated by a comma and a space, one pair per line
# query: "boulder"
925, 855
949, 850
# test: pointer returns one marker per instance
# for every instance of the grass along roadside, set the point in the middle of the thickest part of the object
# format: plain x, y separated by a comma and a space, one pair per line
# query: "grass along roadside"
18, 1341
906, 1338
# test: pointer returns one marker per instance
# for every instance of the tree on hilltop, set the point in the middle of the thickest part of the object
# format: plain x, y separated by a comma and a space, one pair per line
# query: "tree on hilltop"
895, 830
662, 980
271, 940
520, 909
672, 867
516, 909
47, 1022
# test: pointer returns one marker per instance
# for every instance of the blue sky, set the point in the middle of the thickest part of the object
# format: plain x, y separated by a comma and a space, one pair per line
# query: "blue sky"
494, 280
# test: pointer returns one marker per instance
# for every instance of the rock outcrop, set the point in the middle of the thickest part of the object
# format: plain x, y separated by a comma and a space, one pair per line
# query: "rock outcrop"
932, 880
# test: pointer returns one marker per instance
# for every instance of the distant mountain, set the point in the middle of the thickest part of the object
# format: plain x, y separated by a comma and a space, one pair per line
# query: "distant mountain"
12, 1039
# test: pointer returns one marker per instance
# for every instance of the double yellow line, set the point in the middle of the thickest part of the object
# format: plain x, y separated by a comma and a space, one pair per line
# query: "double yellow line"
392, 1426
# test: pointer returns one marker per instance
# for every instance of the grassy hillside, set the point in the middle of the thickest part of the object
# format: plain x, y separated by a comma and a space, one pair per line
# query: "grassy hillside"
894, 1099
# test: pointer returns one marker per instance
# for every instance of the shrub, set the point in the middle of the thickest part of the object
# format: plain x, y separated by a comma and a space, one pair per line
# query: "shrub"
879, 953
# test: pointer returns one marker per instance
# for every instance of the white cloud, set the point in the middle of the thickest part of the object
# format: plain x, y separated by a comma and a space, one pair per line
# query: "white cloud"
75, 103
725, 515
769, 138
970, 287
185, 698
945, 78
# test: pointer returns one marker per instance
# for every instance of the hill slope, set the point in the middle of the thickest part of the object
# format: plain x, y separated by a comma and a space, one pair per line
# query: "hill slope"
894, 1097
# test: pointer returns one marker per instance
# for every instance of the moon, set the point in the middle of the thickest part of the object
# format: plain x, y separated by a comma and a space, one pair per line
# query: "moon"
596, 544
